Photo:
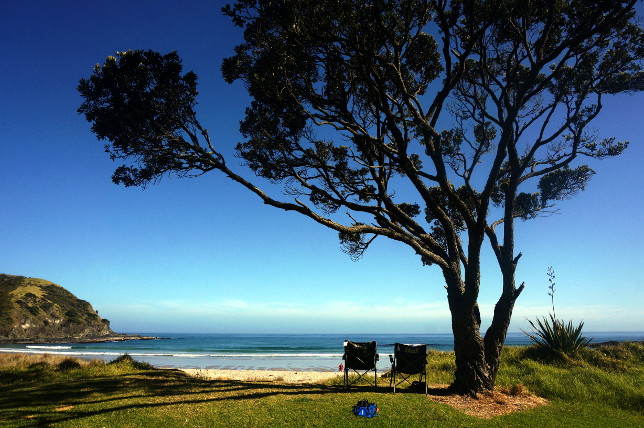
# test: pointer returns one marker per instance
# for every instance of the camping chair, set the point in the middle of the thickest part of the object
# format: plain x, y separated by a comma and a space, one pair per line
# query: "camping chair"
361, 357
408, 360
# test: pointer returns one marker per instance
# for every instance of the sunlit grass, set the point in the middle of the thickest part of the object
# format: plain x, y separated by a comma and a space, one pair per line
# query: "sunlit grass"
22, 360
601, 387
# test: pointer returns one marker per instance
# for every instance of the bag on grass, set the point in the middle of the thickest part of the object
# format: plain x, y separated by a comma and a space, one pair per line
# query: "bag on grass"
366, 409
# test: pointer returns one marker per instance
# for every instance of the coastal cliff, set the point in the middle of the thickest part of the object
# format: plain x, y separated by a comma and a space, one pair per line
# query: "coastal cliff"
36, 310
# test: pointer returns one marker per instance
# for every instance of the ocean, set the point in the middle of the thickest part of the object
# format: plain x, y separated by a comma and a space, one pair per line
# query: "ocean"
297, 352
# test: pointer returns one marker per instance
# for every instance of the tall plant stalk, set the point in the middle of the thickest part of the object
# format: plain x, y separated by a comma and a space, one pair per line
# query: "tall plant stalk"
551, 288
554, 335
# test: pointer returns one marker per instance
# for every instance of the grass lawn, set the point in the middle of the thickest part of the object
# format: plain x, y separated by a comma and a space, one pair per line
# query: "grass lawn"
601, 387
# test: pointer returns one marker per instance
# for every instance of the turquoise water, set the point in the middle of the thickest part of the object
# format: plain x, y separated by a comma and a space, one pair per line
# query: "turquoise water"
303, 352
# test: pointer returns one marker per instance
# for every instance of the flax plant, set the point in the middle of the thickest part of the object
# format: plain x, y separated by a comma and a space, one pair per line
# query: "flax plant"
554, 335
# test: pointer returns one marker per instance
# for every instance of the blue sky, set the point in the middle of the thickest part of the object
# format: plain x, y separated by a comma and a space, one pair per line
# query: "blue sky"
203, 255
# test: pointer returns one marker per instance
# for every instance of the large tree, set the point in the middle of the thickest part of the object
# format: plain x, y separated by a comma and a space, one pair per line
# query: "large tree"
434, 123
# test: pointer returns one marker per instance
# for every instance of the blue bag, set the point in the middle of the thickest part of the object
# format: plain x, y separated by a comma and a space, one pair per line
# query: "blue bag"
365, 409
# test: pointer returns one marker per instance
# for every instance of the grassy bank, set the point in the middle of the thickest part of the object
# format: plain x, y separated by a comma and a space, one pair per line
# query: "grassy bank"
602, 387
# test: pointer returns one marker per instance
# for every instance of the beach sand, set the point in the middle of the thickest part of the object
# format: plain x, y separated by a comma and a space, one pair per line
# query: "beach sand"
285, 376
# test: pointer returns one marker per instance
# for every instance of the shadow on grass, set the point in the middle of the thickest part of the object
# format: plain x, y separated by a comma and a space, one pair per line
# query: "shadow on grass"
38, 402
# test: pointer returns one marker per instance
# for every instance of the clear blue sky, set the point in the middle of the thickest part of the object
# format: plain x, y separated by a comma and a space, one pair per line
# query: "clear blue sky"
203, 255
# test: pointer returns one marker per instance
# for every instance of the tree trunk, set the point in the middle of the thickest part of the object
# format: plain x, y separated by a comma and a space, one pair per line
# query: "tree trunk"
495, 335
473, 374
477, 359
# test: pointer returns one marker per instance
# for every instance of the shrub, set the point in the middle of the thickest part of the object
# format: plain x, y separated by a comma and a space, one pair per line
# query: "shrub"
39, 366
126, 359
72, 316
68, 364
556, 336
33, 310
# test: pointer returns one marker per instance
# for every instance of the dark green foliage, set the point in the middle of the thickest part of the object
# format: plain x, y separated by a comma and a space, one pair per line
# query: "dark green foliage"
354, 244
564, 183
63, 298
72, 316
33, 310
41, 366
77, 310
68, 364
450, 206
141, 93
527, 205
29, 302
127, 360
347, 98
8, 283
556, 336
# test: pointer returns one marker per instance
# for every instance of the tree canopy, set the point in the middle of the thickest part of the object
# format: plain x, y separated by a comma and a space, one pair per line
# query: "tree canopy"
434, 123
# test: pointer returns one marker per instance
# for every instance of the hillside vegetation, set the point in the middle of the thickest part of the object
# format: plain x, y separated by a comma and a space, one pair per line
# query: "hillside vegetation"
32, 309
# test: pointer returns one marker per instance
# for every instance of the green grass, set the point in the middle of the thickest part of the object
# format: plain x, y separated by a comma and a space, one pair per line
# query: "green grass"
600, 387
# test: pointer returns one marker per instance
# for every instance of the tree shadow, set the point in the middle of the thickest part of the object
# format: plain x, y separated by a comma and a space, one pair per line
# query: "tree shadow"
40, 402
440, 390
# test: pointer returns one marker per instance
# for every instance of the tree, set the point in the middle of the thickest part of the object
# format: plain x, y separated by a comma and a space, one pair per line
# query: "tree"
350, 98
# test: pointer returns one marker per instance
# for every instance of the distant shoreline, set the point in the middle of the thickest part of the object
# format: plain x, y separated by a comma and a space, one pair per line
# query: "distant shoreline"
303, 353
88, 339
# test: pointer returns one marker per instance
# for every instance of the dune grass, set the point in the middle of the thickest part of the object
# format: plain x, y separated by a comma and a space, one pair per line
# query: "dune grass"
601, 387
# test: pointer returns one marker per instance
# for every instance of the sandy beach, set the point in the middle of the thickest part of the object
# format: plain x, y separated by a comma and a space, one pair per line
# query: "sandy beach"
286, 376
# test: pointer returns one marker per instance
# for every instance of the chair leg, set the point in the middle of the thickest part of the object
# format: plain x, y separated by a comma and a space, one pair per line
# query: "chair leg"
425, 378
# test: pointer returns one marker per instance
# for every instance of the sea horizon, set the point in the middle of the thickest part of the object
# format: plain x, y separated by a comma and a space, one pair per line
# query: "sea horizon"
262, 351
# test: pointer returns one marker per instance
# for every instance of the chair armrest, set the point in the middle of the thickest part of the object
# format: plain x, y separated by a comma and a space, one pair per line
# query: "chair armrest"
391, 359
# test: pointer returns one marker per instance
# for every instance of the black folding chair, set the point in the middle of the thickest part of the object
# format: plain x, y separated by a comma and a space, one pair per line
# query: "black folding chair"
407, 361
360, 357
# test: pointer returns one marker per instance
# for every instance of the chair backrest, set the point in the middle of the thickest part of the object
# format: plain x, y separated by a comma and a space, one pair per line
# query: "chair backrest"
360, 355
410, 359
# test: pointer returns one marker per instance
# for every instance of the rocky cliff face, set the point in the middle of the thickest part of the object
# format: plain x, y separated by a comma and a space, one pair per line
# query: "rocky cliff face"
33, 308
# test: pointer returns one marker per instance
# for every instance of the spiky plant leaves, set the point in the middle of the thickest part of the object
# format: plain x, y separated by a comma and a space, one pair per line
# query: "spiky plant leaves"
556, 336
